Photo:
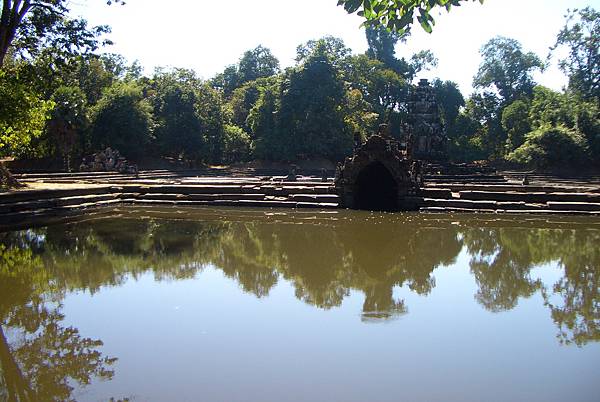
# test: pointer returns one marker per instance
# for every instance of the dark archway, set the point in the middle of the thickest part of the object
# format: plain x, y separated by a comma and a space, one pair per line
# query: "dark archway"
376, 189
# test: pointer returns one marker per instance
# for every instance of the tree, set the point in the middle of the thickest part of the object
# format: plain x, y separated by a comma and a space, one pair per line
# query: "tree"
581, 35
254, 64
313, 105
236, 144
335, 48
263, 120
381, 87
450, 100
122, 120
68, 121
227, 81
178, 128
506, 69
22, 116
382, 45
398, 15
516, 124
257, 63
34, 23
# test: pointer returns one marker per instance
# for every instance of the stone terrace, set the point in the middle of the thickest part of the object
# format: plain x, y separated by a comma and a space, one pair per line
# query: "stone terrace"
49, 194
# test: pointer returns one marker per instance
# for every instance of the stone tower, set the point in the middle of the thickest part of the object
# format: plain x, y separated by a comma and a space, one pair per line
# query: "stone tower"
427, 139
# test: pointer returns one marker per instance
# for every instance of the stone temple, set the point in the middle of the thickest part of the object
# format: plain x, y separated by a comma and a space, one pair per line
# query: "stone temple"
426, 137
379, 176
385, 175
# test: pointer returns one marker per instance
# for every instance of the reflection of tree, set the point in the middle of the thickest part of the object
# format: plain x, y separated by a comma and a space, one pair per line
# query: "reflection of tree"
40, 357
502, 259
326, 259
501, 262
578, 316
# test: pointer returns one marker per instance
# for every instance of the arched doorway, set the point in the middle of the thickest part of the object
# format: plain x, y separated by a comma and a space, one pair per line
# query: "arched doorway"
376, 189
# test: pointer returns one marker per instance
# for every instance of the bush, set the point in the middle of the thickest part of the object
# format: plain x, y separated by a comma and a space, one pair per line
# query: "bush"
236, 143
551, 147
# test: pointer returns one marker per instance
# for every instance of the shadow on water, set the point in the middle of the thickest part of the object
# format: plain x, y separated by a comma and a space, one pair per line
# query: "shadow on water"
324, 256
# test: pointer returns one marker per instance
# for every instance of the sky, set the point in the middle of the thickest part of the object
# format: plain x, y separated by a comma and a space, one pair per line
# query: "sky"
206, 36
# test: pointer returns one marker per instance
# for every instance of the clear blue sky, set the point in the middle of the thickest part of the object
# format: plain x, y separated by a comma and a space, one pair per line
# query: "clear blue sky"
208, 35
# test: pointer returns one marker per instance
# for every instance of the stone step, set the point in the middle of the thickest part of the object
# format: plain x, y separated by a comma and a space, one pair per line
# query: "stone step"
544, 211
234, 203
312, 198
436, 192
531, 197
30, 195
574, 206
56, 202
512, 187
456, 203
34, 214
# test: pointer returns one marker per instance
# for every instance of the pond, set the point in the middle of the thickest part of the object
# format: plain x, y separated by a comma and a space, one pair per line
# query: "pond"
255, 305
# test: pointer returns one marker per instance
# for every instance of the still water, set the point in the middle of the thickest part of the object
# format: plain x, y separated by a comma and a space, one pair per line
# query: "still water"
234, 305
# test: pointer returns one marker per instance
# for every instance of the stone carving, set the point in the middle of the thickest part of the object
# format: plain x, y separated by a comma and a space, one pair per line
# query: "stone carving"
107, 160
426, 137
379, 176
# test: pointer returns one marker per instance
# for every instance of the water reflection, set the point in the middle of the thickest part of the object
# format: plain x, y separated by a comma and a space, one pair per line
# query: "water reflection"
324, 258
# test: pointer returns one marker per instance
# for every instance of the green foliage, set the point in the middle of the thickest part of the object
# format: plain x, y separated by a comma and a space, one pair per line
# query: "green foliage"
257, 63
450, 100
178, 126
381, 87
31, 28
263, 122
122, 120
335, 49
516, 123
243, 100
382, 44
360, 116
254, 64
210, 110
548, 147
237, 143
68, 119
549, 107
580, 36
22, 116
312, 107
506, 69
398, 15
465, 139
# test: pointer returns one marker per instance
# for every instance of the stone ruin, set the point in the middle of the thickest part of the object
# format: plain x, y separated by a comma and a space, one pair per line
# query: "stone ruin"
384, 174
379, 176
425, 135
107, 161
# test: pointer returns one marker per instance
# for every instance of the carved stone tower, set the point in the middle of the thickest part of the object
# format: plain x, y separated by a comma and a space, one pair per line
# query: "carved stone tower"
427, 137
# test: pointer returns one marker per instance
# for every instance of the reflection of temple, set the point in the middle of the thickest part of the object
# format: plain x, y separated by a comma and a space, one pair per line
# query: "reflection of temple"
426, 136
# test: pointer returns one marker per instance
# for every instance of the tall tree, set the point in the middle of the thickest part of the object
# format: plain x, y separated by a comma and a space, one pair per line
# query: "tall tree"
506, 69
581, 35
122, 120
31, 22
313, 106
257, 63
450, 100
